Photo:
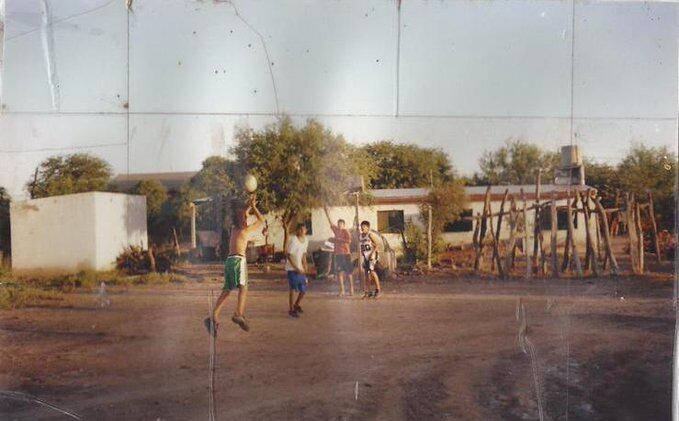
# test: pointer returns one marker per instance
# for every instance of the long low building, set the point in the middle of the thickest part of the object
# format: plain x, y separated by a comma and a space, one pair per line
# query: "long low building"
391, 209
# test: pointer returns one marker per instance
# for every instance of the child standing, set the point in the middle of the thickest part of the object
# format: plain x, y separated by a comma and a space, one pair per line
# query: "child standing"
296, 268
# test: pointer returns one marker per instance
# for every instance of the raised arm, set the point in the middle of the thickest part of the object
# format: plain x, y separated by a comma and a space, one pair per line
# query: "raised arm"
260, 218
327, 215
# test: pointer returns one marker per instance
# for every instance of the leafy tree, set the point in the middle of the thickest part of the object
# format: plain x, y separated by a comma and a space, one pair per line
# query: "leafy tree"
398, 165
652, 169
156, 195
5, 237
297, 169
75, 173
217, 177
516, 163
447, 202
605, 179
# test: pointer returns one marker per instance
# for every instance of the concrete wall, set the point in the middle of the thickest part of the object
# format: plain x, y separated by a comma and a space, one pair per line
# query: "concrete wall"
322, 232
84, 231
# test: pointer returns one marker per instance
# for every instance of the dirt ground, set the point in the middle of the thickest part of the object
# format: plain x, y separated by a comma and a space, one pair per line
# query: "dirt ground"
430, 348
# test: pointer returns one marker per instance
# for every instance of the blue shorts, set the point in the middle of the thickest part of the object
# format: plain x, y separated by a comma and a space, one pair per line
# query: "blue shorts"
296, 281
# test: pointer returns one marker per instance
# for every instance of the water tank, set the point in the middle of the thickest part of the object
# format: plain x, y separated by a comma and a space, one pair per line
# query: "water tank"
570, 156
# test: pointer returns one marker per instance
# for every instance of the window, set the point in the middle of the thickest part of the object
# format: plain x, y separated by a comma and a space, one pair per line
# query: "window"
464, 224
309, 228
390, 221
561, 219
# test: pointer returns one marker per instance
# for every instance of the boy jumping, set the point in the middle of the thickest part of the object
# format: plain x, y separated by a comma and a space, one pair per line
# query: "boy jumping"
368, 246
296, 268
236, 268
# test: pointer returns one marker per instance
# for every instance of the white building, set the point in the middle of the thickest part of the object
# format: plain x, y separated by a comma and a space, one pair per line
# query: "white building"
84, 231
391, 208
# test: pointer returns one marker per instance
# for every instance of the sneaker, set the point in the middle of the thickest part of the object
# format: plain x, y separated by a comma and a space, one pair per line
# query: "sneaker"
211, 326
240, 321
298, 309
365, 295
376, 294
293, 313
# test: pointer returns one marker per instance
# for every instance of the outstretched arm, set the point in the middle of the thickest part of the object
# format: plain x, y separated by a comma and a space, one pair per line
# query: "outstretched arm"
327, 215
260, 218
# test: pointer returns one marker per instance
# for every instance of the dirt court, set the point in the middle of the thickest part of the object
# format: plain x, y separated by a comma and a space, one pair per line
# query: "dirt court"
430, 348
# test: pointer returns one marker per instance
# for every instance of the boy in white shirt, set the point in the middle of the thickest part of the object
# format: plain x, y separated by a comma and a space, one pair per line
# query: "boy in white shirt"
296, 268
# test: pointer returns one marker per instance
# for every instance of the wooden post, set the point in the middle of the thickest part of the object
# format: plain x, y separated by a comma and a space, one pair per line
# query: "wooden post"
512, 237
588, 249
176, 242
640, 236
525, 235
553, 240
536, 223
496, 245
567, 251
574, 249
429, 240
654, 227
475, 235
482, 230
631, 232
607, 237
592, 256
193, 225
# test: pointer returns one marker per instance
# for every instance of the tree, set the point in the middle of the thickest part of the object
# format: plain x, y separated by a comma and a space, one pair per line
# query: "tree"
652, 169
399, 165
156, 195
5, 237
297, 169
217, 177
447, 202
69, 174
516, 163
605, 179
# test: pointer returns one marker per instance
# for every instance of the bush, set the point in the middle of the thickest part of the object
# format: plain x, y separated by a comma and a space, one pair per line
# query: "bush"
416, 244
14, 296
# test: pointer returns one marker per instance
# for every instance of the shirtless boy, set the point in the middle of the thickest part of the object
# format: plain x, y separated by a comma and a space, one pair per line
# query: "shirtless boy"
235, 267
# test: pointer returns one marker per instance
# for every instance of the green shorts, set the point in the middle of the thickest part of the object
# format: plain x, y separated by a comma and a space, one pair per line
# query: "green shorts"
235, 272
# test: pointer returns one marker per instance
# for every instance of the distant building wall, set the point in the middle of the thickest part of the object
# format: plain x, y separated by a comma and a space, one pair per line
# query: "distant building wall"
84, 231
411, 213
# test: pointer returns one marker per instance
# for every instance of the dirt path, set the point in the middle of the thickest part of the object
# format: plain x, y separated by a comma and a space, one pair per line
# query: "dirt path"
438, 349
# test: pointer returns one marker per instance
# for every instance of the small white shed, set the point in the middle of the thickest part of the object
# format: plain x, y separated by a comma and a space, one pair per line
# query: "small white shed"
84, 231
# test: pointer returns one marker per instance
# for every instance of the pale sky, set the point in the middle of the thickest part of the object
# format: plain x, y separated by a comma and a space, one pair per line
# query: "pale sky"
468, 75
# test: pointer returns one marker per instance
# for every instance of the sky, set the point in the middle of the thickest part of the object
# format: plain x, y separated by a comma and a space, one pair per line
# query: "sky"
162, 86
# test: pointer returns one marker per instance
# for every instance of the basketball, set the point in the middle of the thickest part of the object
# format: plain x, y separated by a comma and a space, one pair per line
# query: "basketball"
250, 183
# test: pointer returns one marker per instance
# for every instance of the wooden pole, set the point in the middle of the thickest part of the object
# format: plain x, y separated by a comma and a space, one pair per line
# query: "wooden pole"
593, 261
536, 223
193, 225
631, 232
574, 249
509, 257
567, 251
496, 245
654, 227
553, 239
176, 242
588, 249
429, 239
607, 237
525, 235
640, 236
482, 230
